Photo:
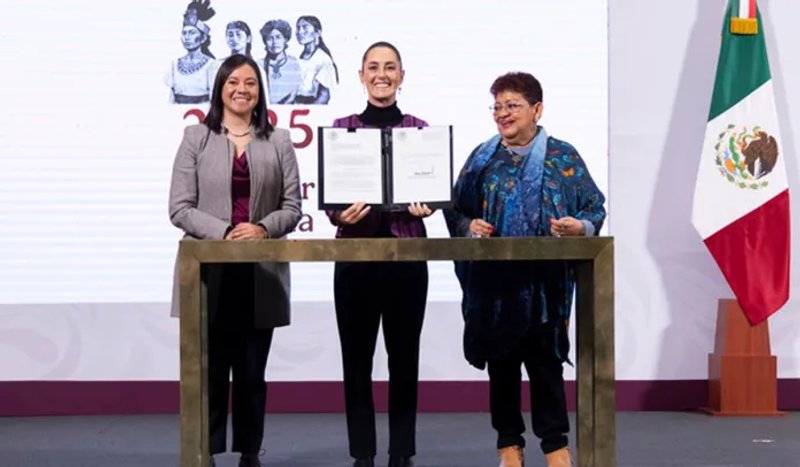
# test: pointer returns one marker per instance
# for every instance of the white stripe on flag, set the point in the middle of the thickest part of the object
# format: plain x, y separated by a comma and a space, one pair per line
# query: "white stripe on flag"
718, 202
744, 9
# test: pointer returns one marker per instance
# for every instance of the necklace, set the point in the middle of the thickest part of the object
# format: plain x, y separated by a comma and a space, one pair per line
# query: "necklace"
187, 65
238, 135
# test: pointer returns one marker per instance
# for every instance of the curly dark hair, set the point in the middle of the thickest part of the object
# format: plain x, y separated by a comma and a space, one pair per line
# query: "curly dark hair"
521, 82
282, 26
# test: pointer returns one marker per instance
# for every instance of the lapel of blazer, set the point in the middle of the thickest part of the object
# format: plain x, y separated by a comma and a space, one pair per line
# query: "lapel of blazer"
259, 162
218, 145
221, 150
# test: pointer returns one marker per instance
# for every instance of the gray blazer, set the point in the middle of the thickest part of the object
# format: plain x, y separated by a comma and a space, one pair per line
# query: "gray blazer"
200, 204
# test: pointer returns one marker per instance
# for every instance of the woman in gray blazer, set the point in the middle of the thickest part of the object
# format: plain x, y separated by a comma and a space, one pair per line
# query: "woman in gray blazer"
235, 177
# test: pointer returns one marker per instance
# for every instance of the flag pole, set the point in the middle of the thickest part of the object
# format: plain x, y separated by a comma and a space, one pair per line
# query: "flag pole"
741, 210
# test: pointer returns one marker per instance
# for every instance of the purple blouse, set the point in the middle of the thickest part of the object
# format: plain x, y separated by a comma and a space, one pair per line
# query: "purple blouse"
240, 190
379, 223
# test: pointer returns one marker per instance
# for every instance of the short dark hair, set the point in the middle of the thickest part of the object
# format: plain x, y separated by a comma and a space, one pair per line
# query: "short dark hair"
260, 120
382, 44
521, 82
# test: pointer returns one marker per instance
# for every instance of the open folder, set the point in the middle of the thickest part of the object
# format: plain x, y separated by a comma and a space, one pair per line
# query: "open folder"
386, 168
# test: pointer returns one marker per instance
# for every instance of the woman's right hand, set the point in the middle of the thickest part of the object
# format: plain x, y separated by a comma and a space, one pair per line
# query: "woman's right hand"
353, 214
480, 228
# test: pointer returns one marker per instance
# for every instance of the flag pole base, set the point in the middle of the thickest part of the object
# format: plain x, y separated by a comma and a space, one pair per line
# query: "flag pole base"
742, 373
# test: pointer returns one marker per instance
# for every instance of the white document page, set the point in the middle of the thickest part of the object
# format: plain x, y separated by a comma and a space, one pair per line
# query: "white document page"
421, 161
352, 166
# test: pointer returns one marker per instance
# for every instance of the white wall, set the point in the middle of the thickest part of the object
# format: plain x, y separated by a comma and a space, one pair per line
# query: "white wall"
663, 56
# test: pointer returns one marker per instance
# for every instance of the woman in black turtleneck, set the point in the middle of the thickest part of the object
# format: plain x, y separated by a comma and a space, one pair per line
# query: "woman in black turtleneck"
368, 293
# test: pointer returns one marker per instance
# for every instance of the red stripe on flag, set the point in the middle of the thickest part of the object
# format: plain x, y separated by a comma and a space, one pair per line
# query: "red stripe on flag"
752, 12
753, 255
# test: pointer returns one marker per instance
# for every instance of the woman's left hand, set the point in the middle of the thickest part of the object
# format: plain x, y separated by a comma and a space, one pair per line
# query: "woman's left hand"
420, 210
247, 231
566, 226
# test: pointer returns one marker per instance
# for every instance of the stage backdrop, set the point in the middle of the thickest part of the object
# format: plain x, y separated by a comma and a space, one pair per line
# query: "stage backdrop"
91, 124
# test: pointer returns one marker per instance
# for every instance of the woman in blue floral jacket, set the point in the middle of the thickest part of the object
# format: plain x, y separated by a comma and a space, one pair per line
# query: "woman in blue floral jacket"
522, 183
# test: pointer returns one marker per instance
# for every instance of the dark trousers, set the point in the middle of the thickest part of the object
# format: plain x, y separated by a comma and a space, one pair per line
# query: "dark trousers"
236, 346
367, 294
548, 401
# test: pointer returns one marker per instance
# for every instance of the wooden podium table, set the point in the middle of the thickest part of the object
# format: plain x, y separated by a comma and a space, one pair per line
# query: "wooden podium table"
593, 258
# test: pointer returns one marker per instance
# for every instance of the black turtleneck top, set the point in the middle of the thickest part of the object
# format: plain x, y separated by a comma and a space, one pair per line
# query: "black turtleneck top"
381, 117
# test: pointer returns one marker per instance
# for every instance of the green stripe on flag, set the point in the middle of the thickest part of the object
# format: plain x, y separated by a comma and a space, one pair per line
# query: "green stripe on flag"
733, 9
743, 65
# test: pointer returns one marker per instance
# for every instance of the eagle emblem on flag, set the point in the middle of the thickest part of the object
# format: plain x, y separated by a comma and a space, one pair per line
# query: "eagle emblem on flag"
745, 157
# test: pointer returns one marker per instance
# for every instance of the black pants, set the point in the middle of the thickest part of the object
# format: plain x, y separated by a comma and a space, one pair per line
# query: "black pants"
234, 345
365, 295
548, 401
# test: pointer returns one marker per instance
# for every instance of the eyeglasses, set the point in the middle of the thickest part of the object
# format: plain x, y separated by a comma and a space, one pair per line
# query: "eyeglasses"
511, 107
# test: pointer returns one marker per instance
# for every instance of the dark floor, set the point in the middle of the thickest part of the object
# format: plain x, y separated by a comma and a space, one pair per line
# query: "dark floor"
444, 440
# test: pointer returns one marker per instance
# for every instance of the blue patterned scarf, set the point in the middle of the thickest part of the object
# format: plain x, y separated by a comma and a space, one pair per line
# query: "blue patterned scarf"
526, 221
499, 296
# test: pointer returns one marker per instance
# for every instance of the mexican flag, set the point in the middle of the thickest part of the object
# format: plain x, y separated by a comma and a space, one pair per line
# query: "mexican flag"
741, 200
